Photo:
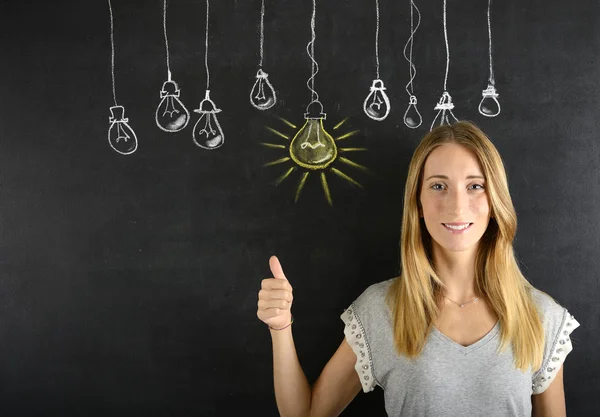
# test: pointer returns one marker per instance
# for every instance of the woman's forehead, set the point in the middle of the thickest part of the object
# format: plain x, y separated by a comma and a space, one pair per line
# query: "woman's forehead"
452, 160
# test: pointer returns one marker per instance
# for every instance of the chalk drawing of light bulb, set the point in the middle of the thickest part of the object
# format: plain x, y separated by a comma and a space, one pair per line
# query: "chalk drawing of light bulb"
377, 104
207, 131
444, 108
121, 136
412, 116
489, 105
171, 114
263, 95
313, 151
313, 147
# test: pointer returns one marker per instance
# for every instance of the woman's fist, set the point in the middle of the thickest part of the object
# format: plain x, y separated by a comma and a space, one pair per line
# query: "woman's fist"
275, 298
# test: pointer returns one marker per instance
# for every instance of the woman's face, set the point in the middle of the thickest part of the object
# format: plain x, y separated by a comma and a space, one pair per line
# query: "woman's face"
453, 196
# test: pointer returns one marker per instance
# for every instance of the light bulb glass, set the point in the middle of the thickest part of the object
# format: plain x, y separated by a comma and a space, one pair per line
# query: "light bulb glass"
444, 115
312, 147
263, 95
412, 117
489, 105
121, 136
377, 104
171, 114
207, 130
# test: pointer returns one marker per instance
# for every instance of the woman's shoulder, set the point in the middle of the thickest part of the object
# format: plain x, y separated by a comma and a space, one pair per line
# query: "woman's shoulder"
377, 291
372, 300
546, 304
554, 316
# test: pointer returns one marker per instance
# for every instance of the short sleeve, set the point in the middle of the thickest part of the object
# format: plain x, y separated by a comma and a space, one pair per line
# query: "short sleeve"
358, 341
365, 323
558, 325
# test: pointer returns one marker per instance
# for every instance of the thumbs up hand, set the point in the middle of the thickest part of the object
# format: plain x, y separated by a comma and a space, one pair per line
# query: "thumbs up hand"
275, 298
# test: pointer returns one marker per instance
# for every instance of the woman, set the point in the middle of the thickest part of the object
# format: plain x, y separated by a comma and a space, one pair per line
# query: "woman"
461, 331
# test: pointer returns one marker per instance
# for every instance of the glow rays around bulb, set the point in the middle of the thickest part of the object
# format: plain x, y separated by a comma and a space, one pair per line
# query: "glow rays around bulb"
320, 170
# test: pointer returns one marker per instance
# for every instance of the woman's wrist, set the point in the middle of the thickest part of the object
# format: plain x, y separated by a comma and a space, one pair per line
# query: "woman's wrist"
284, 327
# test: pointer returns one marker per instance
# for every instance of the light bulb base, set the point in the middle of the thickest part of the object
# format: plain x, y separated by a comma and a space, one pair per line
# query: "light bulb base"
314, 110
117, 114
490, 91
377, 85
169, 88
445, 102
312, 116
207, 105
261, 74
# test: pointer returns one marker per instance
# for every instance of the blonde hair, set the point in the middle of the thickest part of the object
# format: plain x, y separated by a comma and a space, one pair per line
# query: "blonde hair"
414, 296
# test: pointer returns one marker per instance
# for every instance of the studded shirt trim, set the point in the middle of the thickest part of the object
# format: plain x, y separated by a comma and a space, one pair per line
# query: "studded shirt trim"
357, 339
561, 346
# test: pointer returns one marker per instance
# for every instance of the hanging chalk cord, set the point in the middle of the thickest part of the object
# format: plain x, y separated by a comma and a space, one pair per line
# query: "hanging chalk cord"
412, 117
262, 33
262, 95
445, 105
314, 109
377, 104
206, 46
207, 132
112, 52
121, 136
377, 38
166, 39
489, 105
171, 115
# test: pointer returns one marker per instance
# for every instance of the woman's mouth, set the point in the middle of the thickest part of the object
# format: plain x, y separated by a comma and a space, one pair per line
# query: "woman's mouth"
457, 227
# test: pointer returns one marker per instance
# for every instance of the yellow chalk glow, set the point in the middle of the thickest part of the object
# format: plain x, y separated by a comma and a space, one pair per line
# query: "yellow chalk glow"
314, 150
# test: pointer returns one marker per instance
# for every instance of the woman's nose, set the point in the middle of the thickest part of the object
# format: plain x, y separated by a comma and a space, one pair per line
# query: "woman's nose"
457, 203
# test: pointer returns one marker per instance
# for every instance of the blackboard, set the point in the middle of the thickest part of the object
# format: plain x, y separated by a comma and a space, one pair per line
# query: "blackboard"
128, 284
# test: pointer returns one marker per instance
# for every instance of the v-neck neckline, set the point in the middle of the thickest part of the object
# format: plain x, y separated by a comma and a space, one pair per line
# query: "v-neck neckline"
473, 346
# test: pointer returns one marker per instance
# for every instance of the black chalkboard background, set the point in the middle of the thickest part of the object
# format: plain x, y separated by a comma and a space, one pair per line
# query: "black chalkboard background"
128, 284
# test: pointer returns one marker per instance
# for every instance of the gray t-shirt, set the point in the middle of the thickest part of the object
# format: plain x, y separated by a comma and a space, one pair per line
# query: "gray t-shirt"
449, 379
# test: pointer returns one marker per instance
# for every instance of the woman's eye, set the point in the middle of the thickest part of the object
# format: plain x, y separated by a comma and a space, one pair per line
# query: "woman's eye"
481, 187
437, 186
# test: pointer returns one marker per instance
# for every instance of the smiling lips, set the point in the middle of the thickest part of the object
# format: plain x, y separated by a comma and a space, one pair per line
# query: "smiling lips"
457, 227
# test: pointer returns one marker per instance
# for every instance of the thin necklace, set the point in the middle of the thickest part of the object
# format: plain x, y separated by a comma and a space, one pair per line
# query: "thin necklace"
463, 304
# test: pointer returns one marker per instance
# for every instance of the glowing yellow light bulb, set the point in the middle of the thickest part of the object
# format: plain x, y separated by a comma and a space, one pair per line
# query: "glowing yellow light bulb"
312, 147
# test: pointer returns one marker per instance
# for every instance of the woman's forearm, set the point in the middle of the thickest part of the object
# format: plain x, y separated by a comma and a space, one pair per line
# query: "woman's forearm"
292, 390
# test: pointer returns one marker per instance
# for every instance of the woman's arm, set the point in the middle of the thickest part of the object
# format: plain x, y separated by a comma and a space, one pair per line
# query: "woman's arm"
335, 388
338, 383
551, 402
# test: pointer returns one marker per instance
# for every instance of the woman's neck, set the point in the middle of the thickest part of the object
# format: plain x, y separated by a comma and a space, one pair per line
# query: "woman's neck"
457, 272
